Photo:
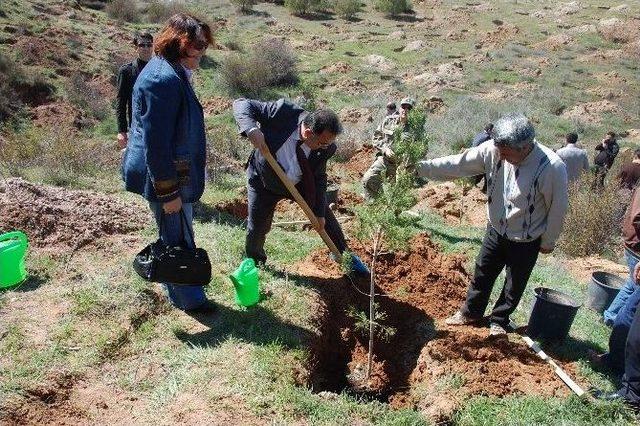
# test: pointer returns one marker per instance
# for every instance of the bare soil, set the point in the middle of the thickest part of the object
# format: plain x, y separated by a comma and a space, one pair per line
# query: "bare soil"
455, 204
58, 220
418, 289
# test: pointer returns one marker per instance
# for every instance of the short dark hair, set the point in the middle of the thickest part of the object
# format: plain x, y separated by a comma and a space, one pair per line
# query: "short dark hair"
391, 105
323, 119
489, 127
145, 35
612, 134
637, 152
571, 137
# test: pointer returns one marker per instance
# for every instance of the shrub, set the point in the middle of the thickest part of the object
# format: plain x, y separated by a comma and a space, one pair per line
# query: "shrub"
301, 7
347, 9
393, 7
86, 97
592, 224
159, 11
243, 5
93, 4
269, 63
123, 10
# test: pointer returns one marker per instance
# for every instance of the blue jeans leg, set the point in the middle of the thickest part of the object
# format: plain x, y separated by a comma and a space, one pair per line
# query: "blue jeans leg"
627, 290
181, 296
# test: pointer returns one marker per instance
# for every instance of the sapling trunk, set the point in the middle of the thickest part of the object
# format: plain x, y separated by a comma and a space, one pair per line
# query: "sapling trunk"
372, 294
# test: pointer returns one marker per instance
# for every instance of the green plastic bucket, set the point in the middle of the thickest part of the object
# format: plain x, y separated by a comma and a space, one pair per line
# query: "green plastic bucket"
246, 282
13, 248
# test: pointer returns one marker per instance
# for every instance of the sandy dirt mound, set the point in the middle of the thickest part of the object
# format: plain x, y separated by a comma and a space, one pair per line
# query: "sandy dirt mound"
349, 86
591, 112
582, 267
59, 219
418, 289
500, 36
454, 205
216, 105
337, 67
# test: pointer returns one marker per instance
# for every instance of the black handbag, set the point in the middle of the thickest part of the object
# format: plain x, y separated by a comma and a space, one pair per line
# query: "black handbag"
159, 262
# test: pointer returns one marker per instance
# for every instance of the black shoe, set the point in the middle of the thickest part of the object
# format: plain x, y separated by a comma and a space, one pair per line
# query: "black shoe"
207, 307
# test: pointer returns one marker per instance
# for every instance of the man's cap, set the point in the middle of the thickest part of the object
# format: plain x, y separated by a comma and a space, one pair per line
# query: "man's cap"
408, 101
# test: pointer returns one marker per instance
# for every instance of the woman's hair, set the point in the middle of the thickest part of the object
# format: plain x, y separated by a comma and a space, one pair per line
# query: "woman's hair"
180, 31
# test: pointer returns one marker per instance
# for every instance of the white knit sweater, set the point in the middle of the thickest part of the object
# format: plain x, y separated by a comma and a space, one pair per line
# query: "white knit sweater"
524, 202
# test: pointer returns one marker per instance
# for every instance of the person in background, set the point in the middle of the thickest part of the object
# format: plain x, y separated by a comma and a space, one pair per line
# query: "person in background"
385, 161
573, 157
127, 75
606, 152
391, 108
483, 136
478, 140
165, 158
527, 201
630, 172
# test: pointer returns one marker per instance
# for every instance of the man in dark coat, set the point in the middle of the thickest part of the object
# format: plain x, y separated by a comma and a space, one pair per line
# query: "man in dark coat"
301, 143
127, 76
606, 153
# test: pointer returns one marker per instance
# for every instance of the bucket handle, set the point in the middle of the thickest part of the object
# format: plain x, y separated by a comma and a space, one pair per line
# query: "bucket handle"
15, 235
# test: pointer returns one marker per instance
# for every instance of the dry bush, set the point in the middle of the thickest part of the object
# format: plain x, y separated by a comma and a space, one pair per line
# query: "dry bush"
301, 7
86, 97
592, 224
393, 7
123, 10
159, 11
347, 145
93, 4
57, 152
244, 5
347, 9
270, 63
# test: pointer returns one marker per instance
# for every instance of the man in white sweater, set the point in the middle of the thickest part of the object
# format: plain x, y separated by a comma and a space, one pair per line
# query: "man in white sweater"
527, 201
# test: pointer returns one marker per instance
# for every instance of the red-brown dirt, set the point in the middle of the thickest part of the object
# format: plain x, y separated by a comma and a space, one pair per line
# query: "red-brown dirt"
58, 219
360, 162
418, 289
237, 207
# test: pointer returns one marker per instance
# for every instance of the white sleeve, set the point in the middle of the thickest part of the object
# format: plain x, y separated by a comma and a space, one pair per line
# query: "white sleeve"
469, 163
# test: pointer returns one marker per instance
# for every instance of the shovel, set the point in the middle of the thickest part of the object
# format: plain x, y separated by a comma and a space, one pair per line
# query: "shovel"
303, 204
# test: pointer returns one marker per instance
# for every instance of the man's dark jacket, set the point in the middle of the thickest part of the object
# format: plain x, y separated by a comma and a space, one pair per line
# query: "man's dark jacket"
127, 76
605, 156
279, 122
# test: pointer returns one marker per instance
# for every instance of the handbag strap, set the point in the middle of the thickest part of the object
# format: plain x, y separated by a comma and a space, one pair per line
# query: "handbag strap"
183, 224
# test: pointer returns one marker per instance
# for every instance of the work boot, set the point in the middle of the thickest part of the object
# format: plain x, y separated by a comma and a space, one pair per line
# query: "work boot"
496, 329
459, 319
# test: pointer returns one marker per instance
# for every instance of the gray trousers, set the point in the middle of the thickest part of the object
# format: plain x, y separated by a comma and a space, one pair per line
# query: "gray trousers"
372, 179
262, 205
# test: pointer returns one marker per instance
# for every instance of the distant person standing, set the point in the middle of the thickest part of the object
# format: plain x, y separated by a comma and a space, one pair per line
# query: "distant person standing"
607, 150
573, 157
391, 108
483, 136
127, 76
630, 172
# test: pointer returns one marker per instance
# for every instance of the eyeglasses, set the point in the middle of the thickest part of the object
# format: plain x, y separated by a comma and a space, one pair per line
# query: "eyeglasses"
145, 44
199, 44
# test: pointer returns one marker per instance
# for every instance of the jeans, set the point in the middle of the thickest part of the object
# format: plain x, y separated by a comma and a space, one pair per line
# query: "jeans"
627, 289
631, 380
172, 233
497, 253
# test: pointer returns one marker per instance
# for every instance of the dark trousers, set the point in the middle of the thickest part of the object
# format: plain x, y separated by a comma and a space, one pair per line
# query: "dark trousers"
615, 358
631, 379
495, 254
262, 204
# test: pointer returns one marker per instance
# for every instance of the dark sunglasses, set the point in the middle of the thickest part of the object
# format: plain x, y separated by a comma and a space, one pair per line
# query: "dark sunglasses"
199, 44
145, 44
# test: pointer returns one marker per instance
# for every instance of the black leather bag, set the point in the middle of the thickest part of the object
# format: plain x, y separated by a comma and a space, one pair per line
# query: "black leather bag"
159, 262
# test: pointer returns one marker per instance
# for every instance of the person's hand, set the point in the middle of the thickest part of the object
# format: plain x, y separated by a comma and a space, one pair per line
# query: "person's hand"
256, 138
636, 273
544, 250
321, 222
173, 206
123, 139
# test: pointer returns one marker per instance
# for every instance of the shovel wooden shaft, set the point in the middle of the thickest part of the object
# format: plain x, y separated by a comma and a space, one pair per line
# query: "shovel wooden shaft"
302, 203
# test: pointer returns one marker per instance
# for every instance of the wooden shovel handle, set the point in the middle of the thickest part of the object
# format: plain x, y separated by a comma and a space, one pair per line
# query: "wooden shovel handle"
302, 203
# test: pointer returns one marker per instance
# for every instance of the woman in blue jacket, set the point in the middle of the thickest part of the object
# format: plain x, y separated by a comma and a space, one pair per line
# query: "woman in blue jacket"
165, 157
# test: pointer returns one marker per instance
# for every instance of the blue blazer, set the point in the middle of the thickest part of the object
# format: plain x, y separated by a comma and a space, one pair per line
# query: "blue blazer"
166, 153
280, 121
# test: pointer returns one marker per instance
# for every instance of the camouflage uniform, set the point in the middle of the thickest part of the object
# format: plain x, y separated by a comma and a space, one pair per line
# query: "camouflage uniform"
385, 161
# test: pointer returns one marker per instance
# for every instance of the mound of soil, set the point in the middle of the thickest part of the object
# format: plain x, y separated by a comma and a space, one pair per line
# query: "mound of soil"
216, 105
238, 207
453, 203
59, 219
337, 67
417, 290
591, 112
360, 162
